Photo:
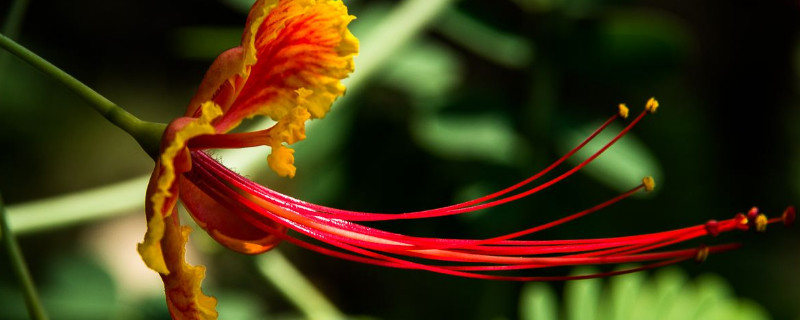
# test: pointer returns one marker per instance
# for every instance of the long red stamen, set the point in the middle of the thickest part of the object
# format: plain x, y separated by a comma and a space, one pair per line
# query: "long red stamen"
464, 207
344, 238
367, 243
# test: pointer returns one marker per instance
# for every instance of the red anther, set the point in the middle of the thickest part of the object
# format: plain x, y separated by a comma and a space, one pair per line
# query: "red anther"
753, 212
751, 216
712, 227
742, 223
788, 216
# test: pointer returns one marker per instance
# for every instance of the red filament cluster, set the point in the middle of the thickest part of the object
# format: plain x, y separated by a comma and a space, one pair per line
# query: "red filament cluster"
338, 233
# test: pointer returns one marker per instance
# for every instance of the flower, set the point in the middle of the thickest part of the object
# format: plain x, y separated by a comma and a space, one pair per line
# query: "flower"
288, 67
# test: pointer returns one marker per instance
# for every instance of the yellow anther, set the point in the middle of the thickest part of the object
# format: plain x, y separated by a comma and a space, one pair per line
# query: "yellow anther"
623, 111
652, 105
648, 183
744, 221
701, 255
761, 223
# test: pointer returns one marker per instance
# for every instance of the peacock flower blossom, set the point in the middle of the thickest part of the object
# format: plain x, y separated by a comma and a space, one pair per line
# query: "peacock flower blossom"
288, 67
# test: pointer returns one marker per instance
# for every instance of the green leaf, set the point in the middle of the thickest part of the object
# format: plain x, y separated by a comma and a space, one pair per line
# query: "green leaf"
486, 138
622, 166
505, 49
582, 297
623, 292
667, 295
538, 302
426, 71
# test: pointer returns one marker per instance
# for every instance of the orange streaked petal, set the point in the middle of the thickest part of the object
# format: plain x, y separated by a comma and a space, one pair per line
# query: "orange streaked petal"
258, 12
185, 299
162, 191
300, 44
221, 82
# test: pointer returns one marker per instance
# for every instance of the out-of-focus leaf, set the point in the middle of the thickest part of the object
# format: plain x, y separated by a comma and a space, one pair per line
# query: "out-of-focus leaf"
667, 296
238, 306
712, 292
504, 49
622, 166
488, 138
667, 285
623, 292
582, 297
79, 289
74, 288
538, 302
426, 71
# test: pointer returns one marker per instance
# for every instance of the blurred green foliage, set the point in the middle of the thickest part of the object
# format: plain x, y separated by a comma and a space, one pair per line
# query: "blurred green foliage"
668, 294
489, 94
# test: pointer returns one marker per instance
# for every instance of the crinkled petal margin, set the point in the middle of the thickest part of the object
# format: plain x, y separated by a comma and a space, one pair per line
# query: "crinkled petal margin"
289, 67
162, 192
300, 44
185, 299
163, 247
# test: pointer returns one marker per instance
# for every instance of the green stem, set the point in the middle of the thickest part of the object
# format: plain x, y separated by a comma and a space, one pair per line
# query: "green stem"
34, 305
148, 134
289, 281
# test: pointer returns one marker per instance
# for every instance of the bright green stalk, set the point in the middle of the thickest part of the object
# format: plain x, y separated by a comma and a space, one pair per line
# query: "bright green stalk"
148, 134
80, 207
32, 302
289, 281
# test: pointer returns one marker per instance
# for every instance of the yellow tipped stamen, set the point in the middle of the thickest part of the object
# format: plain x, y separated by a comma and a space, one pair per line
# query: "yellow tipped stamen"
652, 105
761, 223
702, 254
648, 183
623, 111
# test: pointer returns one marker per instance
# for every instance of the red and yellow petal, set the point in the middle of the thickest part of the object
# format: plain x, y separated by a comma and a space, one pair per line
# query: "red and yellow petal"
221, 82
162, 191
185, 299
300, 44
